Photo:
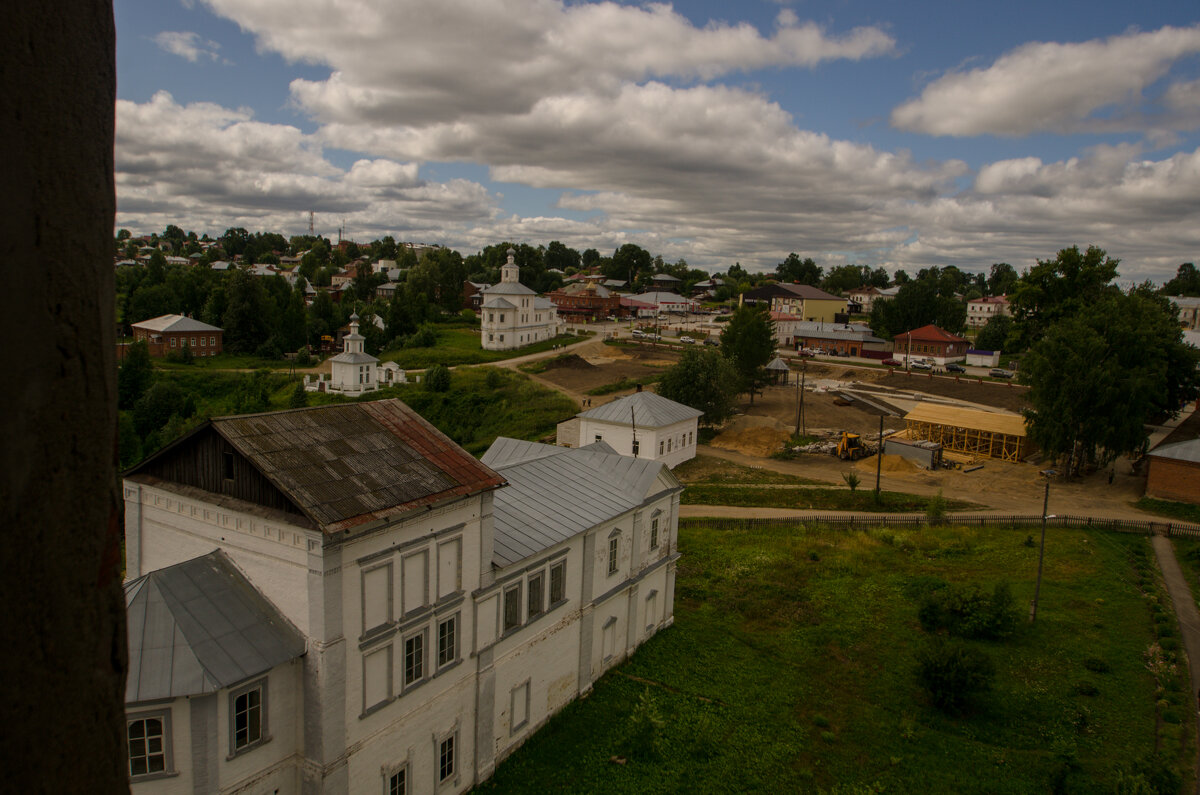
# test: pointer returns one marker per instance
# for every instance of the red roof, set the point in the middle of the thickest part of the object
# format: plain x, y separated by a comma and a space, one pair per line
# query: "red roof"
930, 333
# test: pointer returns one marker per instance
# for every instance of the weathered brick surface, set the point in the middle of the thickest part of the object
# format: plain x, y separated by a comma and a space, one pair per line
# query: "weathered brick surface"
1171, 479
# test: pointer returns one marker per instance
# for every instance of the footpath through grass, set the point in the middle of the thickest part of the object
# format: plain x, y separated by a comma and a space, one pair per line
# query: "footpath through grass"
790, 668
460, 345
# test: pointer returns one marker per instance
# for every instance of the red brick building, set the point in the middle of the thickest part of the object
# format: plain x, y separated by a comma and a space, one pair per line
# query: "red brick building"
578, 301
169, 333
1173, 472
931, 342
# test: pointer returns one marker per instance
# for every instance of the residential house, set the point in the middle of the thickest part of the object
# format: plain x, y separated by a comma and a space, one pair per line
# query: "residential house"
981, 310
931, 342
341, 600
512, 315
171, 333
665, 302
1173, 472
801, 300
1189, 310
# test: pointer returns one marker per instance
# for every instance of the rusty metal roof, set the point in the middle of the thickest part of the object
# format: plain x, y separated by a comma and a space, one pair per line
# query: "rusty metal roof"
351, 463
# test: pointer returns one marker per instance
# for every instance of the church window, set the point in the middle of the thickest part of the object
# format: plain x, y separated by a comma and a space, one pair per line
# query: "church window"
512, 607
248, 716
414, 658
614, 547
149, 744
558, 583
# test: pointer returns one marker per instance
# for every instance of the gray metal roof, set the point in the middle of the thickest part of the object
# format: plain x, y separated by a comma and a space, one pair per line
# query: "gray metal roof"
508, 288
350, 463
831, 331
1180, 451
354, 357
505, 452
496, 302
200, 626
779, 364
649, 411
551, 498
174, 323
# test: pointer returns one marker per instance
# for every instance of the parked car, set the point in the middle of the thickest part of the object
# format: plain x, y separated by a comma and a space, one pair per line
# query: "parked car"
1000, 372
711, 341
955, 368
687, 340
919, 364
892, 363
638, 333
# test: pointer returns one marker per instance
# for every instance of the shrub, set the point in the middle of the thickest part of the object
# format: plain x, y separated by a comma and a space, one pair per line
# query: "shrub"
299, 398
1152, 774
269, 350
954, 675
1096, 665
969, 612
935, 511
852, 479
303, 359
424, 337
645, 725
437, 378
494, 378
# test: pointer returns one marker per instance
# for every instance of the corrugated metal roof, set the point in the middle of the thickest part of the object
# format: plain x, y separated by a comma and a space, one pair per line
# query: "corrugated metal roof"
508, 288
778, 364
496, 302
200, 626
346, 464
551, 498
354, 357
649, 411
1179, 451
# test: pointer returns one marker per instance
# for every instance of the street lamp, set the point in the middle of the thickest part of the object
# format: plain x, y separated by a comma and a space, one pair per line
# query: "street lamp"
1047, 474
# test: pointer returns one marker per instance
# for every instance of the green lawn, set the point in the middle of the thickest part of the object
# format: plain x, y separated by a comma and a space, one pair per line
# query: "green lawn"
460, 345
790, 668
1180, 511
831, 498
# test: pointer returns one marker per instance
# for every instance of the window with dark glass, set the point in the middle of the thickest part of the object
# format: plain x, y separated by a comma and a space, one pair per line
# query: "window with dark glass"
535, 595
558, 582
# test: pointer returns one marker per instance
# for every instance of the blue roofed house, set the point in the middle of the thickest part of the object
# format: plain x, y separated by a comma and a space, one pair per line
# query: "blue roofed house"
341, 600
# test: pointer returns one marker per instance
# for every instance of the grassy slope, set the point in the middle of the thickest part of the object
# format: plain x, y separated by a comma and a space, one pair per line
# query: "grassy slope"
818, 499
793, 674
460, 345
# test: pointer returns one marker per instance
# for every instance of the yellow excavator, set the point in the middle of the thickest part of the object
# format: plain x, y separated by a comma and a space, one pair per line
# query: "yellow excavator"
851, 447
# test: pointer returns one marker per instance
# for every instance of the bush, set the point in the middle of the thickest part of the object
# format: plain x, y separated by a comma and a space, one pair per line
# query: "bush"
935, 511
970, 612
645, 725
424, 337
954, 675
437, 378
1150, 774
269, 350
1096, 665
852, 479
303, 359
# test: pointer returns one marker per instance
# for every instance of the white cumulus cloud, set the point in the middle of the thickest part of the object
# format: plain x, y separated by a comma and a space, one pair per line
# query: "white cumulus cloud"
187, 45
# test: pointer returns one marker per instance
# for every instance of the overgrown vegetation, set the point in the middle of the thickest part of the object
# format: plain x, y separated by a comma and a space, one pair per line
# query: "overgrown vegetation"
790, 668
624, 383
706, 469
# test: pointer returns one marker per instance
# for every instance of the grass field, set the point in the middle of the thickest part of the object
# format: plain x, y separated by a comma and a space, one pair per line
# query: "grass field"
815, 498
706, 469
460, 345
1180, 511
790, 668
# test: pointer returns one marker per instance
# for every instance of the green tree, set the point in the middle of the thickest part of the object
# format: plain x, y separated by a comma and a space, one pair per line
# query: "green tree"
800, 271
437, 378
248, 315
918, 303
748, 342
151, 300
135, 375
1097, 376
628, 262
994, 335
129, 444
161, 401
299, 398
704, 380
1001, 279
954, 675
1186, 281
846, 277
1058, 288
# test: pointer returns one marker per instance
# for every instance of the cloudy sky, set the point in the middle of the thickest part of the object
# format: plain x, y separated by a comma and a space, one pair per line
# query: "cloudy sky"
931, 132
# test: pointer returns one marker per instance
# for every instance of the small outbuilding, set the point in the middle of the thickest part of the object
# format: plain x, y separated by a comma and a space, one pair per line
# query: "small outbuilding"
969, 431
1173, 472
641, 425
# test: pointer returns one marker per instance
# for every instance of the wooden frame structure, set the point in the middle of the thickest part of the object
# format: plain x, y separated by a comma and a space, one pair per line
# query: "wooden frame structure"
969, 431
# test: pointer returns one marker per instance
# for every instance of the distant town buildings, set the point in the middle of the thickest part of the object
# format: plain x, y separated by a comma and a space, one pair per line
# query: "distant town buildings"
802, 301
981, 310
931, 342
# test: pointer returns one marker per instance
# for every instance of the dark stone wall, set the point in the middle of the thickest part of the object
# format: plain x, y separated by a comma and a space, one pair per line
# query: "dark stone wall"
62, 663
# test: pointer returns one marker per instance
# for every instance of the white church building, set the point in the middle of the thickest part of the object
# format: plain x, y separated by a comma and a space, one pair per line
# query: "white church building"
355, 372
341, 600
512, 315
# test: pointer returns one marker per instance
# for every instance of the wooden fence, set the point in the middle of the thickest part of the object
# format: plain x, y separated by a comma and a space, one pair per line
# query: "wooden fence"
915, 520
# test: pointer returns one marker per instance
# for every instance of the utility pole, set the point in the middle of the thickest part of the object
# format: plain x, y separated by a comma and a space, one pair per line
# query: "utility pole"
1042, 550
879, 458
803, 373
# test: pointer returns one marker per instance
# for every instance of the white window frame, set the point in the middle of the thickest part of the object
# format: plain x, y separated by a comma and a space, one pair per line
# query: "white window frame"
235, 748
389, 773
443, 659
654, 530
442, 776
534, 609
420, 665
561, 567
163, 716
614, 551
515, 588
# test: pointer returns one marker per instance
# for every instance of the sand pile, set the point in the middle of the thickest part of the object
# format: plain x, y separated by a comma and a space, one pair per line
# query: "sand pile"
896, 463
751, 435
